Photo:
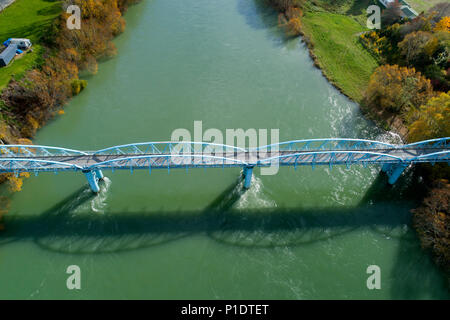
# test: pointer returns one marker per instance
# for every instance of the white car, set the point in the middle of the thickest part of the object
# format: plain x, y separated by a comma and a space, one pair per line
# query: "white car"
21, 43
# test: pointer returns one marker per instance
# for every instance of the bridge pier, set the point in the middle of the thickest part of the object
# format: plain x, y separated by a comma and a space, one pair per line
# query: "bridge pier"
385, 167
93, 178
394, 171
99, 174
248, 172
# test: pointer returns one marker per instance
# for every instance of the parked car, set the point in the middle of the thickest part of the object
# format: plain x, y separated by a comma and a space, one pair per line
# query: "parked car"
22, 44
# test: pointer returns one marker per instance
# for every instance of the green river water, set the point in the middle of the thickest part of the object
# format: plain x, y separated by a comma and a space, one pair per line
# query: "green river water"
300, 234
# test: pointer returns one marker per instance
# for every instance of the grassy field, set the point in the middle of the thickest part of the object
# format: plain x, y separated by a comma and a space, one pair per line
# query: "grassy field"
351, 8
423, 5
340, 55
26, 19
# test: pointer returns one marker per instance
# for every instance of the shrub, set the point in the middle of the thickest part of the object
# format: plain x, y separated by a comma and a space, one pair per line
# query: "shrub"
78, 86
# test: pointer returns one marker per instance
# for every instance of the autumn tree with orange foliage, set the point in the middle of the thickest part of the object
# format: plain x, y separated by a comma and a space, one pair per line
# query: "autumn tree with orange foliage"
290, 16
294, 23
397, 89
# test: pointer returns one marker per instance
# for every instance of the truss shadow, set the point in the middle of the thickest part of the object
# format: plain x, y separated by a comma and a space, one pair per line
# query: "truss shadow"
62, 229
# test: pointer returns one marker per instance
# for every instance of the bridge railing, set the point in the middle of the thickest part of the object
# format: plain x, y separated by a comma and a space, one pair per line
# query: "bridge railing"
347, 158
433, 143
315, 151
441, 156
167, 161
169, 147
325, 144
21, 151
33, 165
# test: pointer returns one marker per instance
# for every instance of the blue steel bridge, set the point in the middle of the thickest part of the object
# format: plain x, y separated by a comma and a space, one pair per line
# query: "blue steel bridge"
394, 159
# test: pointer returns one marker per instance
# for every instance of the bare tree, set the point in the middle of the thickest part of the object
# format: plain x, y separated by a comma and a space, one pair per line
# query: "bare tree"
439, 11
392, 13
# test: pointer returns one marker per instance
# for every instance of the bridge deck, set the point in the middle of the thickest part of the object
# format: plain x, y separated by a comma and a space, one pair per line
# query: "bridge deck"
165, 155
237, 158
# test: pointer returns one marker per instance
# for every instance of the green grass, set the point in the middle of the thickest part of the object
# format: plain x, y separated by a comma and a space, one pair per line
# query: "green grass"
26, 19
342, 58
352, 8
423, 5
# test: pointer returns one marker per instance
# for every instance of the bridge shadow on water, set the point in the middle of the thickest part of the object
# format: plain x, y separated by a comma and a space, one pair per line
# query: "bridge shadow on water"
63, 229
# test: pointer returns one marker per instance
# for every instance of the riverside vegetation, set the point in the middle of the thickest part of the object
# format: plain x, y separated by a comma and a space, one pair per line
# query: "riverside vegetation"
413, 56
36, 87
399, 74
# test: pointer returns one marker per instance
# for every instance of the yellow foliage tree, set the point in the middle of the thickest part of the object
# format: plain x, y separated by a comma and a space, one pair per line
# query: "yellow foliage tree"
24, 141
432, 120
443, 25
33, 124
397, 89
15, 183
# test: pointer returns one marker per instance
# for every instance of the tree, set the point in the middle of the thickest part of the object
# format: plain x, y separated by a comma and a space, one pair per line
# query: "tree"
284, 5
432, 222
391, 14
294, 24
420, 23
397, 89
431, 120
439, 11
16, 183
443, 25
418, 48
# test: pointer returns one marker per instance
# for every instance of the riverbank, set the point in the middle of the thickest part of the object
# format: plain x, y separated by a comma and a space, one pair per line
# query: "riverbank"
332, 35
171, 235
333, 43
36, 87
